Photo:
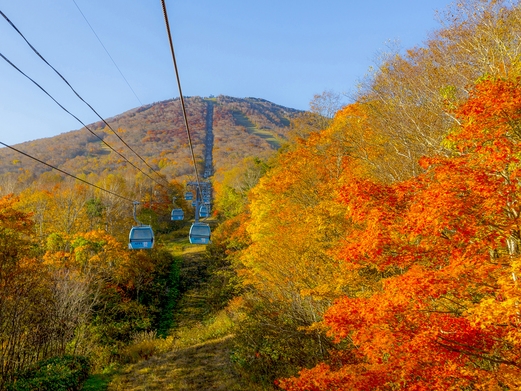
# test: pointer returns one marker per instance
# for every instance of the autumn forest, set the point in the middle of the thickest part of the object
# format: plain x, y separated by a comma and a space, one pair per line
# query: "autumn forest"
366, 246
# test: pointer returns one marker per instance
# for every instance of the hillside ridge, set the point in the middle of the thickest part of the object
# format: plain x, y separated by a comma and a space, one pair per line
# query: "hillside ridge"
157, 132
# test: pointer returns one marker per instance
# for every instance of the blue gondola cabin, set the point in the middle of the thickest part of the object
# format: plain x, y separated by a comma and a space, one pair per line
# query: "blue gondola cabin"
141, 237
177, 215
204, 211
200, 233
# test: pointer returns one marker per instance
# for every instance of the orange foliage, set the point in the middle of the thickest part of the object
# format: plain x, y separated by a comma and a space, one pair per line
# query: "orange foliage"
12, 219
445, 246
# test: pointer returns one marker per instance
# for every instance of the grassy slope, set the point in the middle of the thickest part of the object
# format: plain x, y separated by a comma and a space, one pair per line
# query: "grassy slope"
204, 366
199, 356
242, 120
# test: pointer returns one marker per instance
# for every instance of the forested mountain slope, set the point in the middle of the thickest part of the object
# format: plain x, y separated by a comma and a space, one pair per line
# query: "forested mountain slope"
379, 249
384, 252
242, 127
69, 284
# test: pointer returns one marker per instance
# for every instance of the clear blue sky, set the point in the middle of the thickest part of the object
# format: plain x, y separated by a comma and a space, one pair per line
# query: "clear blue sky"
284, 51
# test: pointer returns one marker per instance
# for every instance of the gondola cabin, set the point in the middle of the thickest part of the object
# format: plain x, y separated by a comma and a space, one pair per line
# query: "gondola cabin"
177, 215
204, 211
189, 196
141, 237
200, 233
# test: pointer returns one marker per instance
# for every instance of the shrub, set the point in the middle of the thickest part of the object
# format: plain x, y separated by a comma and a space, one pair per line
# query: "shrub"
66, 373
143, 346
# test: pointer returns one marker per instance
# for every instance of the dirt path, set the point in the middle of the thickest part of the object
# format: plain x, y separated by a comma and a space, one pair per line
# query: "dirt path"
208, 142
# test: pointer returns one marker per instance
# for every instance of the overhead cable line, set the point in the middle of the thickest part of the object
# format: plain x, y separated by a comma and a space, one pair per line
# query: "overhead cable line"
79, 120
66, 173
181, 94
106, 51
83, 100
